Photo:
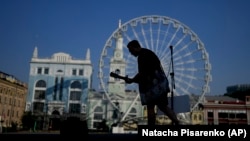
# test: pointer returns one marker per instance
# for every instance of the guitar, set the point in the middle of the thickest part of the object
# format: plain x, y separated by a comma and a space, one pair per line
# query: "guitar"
158, 88
115, 75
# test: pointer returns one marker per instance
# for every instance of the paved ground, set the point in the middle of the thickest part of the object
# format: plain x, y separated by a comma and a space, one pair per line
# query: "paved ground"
58, 137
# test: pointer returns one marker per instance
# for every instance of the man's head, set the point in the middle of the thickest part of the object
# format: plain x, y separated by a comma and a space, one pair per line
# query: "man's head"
134, 47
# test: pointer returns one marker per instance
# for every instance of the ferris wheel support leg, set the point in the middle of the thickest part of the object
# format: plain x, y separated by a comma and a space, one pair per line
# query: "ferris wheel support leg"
128, 110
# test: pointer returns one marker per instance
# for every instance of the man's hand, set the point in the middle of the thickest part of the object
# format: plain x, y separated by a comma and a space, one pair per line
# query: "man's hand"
128, 80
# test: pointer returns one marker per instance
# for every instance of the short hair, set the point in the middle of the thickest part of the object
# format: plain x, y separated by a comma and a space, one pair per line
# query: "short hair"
134, 44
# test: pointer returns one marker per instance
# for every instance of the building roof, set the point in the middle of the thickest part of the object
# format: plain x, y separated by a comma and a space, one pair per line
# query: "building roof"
222, 99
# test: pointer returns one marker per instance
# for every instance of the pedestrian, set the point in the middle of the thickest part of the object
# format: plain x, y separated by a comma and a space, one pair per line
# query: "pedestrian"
152, 81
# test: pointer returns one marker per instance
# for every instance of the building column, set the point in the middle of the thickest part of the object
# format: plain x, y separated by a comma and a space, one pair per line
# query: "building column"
216, 117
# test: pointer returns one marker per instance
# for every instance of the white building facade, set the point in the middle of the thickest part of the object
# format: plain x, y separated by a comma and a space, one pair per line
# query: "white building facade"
58, 87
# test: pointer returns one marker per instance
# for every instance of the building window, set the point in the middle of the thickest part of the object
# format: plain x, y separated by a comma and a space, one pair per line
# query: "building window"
41, 84
223, 115
81, 72
210, 114
40, 90
74, 108
38, 107
76, 85
98, 116
200, 117
74, 95
98, 113
132, 114
241, 115
75, 92
195, 117
231, 115
39, 70
74, 72
39, 94
46, 71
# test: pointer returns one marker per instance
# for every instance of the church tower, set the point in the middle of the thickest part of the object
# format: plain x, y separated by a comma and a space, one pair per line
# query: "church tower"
117, 65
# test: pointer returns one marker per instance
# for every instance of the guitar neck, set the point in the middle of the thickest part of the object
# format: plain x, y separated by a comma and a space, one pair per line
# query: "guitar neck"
117, 76
121, 77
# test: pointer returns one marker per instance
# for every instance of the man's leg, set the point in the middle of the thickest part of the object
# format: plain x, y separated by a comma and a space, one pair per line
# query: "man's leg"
151, 115
170, 113
163, 106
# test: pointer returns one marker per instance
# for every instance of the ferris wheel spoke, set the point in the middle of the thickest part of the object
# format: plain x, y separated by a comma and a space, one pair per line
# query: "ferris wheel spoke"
126, 37
151, 35
163, 43
183, 48
134, 32
182, 90
174, 36
145, 40
180, 40
158, 38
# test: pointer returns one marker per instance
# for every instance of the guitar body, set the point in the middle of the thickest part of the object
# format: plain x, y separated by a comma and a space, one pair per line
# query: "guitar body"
159, 89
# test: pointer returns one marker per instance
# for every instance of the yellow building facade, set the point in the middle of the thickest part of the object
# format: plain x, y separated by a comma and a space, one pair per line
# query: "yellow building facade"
12, 100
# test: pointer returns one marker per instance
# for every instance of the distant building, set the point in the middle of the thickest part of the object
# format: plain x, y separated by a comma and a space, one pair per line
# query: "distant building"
58, 87
239, 87
224, 110
13, 94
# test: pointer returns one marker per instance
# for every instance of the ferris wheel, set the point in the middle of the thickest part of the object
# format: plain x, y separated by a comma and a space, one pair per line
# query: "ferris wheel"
157, 33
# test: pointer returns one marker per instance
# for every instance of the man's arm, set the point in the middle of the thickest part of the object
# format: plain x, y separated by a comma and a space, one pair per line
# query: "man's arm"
135, 79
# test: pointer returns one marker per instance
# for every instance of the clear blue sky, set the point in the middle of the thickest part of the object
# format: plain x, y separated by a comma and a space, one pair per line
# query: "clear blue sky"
72, 26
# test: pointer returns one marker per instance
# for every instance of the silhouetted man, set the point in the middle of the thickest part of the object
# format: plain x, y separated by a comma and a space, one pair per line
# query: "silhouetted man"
152, 81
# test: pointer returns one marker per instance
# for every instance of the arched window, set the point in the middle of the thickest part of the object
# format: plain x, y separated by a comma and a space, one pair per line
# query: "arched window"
55, 112
59, 71
200, 117
132, 113
76, 85
40, 89
195, 117
41, 84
